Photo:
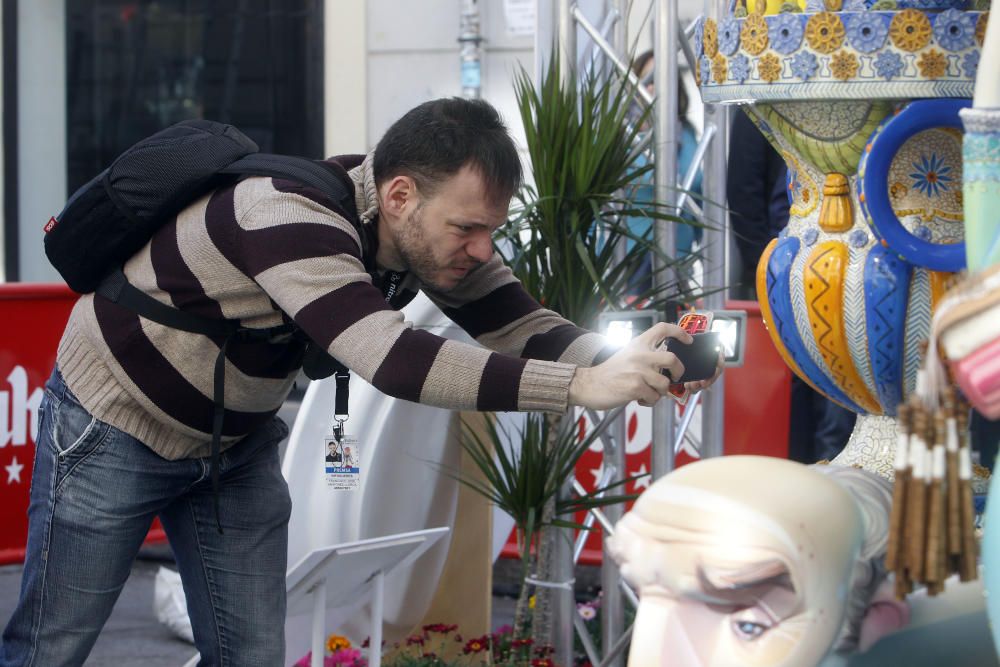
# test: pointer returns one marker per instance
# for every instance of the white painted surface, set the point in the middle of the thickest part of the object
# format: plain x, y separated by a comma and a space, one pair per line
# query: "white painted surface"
41, 109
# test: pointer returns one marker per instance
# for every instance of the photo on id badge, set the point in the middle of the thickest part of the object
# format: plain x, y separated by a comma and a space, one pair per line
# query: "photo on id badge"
342, 464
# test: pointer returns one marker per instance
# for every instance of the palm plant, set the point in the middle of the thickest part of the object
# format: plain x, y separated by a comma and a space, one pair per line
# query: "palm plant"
570, 244
522, 482
565, 237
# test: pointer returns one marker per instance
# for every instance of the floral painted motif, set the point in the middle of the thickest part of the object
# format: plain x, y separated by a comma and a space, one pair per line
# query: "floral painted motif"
858, 238
954, 30
933, 64
866, 32
699, 35
710, 38
769, 67
739, 67
804, 65
910, 30
855, 6
888, 64
786, 32
825, 32
844, 65
705, 69
810, 236
931, 175
981, 27
970, 64
753, 36
719, 68
729, 36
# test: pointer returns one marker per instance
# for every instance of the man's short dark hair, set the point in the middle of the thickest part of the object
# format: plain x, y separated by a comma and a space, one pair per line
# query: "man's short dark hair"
433, 141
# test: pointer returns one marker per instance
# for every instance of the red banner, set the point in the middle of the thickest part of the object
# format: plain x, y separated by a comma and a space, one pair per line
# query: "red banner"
35, 316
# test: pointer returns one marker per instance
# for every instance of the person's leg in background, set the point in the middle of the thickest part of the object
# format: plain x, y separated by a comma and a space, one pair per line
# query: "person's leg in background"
818, 427
804, 415
833, 430
234, 581
984, 435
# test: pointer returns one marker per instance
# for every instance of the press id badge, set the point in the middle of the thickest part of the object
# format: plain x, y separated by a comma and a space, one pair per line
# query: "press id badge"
343, 463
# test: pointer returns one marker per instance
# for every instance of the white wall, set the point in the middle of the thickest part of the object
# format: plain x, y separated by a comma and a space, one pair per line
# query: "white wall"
41, 119
413, 56
345, 70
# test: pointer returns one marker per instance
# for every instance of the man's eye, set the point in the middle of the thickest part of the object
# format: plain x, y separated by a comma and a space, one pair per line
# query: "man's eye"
749, 630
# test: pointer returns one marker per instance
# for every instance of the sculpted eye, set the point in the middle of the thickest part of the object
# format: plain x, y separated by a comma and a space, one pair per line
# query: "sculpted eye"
749, 630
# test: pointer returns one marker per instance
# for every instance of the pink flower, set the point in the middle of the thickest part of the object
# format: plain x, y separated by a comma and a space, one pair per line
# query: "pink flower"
344, 656
305, 660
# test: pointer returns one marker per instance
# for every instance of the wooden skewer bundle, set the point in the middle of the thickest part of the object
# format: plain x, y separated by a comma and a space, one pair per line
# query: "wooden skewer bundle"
931, 527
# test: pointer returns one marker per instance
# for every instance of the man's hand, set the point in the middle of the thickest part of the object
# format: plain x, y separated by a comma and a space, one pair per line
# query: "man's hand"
633, 373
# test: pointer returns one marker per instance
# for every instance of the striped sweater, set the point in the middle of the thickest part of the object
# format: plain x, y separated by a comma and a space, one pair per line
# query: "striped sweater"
265, 250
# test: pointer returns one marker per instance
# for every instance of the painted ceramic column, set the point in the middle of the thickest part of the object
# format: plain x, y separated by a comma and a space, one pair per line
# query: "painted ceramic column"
875, 184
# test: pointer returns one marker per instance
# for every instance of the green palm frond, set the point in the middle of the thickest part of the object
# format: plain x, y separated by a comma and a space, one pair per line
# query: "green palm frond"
562, 237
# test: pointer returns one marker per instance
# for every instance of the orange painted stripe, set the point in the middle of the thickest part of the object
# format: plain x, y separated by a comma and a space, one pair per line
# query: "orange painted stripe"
823, 282
768, 317
938, 280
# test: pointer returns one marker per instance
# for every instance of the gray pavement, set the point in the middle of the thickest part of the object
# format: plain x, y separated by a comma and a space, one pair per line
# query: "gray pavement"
132, 635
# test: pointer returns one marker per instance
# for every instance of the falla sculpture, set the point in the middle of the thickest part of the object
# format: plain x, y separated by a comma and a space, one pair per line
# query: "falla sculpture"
752, 561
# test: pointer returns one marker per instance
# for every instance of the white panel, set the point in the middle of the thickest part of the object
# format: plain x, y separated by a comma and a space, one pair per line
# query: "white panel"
494, 28
498, 87
41, 108
345, 77
399, 83
396, 26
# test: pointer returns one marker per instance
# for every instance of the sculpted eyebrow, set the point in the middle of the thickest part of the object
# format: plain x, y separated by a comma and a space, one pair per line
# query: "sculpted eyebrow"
727, 582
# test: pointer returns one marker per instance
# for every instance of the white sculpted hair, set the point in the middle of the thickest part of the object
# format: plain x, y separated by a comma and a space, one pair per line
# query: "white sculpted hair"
873, 496
641, 556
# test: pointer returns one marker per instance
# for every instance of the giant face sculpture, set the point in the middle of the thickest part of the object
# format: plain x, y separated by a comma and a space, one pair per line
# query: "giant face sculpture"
752, 561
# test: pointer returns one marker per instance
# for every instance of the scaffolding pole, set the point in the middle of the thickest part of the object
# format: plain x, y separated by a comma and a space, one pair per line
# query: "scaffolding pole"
665, 162
715, 240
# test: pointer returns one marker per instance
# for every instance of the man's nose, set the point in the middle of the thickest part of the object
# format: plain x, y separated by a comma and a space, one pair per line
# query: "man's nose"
481, 247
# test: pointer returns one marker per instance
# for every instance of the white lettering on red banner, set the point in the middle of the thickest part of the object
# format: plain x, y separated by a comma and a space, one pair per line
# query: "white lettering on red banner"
20, 410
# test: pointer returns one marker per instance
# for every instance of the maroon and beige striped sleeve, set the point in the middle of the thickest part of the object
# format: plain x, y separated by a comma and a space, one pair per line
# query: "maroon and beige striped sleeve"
315, 274
495, 309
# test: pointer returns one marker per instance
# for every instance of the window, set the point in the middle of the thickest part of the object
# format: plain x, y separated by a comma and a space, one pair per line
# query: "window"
133, 68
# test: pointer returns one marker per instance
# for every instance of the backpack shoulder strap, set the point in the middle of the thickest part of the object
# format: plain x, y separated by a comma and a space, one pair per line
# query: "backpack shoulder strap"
303, 170
116, 288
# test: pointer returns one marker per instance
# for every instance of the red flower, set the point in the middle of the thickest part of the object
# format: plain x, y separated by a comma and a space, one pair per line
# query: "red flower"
440, 628
543, 651
366, 642
415, 640
477, 645
542, 662
518, 643
458, 638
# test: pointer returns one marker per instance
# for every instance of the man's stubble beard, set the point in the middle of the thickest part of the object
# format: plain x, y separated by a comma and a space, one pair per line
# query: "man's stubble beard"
411, 243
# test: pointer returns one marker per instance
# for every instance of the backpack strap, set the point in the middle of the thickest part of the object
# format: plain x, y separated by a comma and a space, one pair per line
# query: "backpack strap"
303, 170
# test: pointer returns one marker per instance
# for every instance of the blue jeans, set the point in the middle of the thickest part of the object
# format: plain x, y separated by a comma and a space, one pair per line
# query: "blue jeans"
94, 493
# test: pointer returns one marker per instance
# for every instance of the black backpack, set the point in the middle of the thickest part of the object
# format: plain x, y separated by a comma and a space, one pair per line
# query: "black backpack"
114, 215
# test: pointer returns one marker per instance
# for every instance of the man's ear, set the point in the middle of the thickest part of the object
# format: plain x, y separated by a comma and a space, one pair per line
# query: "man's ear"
396, 194
885, 615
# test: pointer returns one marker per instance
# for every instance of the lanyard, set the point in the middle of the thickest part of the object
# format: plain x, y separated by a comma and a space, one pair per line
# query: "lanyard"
343, 377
